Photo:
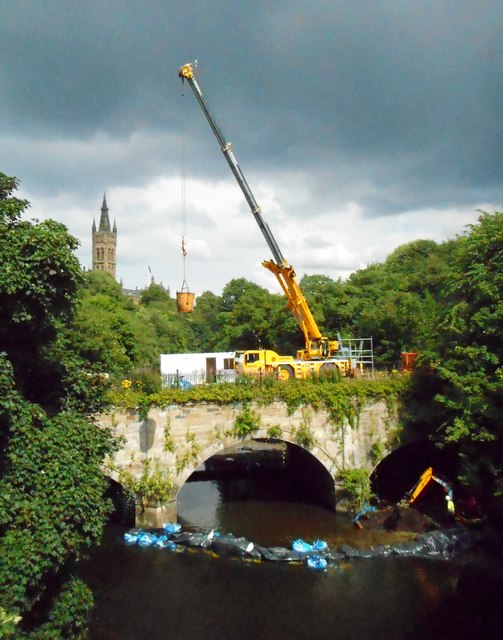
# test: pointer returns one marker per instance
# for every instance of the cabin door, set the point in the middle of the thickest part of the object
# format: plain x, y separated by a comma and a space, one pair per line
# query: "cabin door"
211, 369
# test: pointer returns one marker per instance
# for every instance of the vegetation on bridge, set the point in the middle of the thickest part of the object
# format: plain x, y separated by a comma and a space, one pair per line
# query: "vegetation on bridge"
343, 400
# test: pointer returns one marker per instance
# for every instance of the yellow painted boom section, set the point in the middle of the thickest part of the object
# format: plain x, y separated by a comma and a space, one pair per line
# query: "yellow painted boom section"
285, 275
316, 345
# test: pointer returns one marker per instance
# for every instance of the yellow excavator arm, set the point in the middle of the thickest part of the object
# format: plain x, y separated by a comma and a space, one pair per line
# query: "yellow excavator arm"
425, 477
420, 485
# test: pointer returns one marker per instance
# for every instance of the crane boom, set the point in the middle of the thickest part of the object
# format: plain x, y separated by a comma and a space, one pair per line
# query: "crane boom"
316, 345
187, 73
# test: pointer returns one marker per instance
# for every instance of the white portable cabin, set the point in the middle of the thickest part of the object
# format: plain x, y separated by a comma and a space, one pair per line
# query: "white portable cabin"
186, 369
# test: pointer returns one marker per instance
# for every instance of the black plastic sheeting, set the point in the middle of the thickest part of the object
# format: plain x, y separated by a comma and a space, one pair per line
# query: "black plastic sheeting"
441, 544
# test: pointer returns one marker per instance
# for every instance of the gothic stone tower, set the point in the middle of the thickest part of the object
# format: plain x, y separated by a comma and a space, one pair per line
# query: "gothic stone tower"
104, 242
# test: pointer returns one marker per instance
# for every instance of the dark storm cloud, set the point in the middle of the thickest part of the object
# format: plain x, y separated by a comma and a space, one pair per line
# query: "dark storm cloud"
394, 104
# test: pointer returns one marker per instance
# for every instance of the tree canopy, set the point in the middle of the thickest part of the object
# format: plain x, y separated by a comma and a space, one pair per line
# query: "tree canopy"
51, 485
469, 356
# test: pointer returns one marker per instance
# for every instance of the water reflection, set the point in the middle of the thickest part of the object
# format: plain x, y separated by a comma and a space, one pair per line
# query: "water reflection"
197, 504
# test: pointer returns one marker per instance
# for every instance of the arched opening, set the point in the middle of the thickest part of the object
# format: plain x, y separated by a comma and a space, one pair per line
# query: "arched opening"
123, 511
399, 472
256, 481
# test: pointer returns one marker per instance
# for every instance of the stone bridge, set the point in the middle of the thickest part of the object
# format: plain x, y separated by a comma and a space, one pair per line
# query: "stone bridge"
178, 439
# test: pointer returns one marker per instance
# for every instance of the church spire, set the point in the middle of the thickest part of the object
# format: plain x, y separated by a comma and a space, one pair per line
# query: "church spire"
104, 220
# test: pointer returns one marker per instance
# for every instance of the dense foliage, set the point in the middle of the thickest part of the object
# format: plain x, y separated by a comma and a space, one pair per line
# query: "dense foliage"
51, 486
342, 400
466, 367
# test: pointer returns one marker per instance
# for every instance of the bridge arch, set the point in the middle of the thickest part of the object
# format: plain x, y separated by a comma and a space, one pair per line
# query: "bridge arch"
309, 479
218, 446
182, 437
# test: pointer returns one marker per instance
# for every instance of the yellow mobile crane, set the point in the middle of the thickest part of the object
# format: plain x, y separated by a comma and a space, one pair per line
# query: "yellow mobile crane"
319, 353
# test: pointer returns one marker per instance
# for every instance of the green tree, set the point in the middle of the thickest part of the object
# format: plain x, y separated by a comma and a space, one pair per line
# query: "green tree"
51, 486
102, 330
244, 316
399, 302
172, 330
468, 362
328, 300
155, 293
205, 322
285, 334
39, 277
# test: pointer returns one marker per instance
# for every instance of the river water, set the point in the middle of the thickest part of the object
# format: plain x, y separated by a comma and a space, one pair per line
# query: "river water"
145, 593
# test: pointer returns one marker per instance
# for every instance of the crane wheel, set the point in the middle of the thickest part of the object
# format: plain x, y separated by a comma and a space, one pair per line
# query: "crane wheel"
285, 372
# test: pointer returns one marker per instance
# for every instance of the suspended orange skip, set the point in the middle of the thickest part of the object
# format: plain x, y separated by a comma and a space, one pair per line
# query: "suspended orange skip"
184, 297
185, 301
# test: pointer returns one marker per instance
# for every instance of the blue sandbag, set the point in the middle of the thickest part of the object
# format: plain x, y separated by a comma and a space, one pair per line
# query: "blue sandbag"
305, 547
146, 539
316, 563
301, 546
320, 545
172, 527
131, 537
367, 508
160, 540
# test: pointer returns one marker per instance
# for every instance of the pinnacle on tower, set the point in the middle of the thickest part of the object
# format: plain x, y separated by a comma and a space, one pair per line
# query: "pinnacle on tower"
104, 220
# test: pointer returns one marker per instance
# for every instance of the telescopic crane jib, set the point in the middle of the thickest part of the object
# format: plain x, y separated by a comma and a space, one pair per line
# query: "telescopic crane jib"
317, 346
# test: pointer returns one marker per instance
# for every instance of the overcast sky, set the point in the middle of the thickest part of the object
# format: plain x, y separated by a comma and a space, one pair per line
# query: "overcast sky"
360, 125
